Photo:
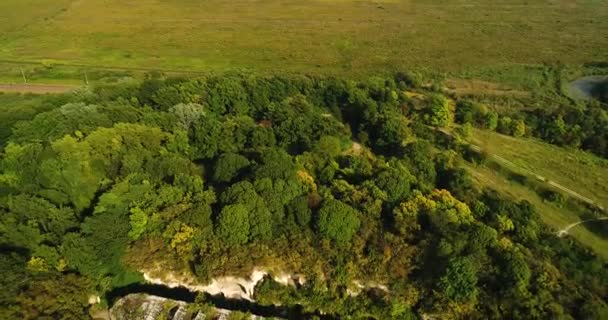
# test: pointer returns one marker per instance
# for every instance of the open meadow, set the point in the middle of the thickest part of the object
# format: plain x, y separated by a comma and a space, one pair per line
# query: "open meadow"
323, 36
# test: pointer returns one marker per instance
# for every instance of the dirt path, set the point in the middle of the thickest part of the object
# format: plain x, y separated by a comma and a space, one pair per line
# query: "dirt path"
512, 165
564, 231
462, 87
36, 88
570, 192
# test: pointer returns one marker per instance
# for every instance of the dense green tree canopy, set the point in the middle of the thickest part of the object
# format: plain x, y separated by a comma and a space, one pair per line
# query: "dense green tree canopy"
338, 221
233, 224
459, 283
228, 166
344, 182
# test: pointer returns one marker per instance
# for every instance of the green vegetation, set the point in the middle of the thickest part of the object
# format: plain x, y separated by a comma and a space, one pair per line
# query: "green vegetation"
15, 107
582, 172
341, 181
474, 38
217, 137
554, 216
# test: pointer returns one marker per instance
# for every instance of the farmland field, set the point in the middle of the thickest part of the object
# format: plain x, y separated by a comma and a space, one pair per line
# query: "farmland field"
326, 36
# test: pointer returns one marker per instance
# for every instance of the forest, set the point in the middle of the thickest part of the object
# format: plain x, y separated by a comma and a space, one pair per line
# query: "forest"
342, 181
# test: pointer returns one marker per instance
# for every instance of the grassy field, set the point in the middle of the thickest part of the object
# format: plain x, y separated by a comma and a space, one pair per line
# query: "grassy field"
580, 171
469, 37
552, 215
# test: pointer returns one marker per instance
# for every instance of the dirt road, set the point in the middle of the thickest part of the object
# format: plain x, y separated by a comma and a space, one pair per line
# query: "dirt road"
564, 231
36, 88
517, 168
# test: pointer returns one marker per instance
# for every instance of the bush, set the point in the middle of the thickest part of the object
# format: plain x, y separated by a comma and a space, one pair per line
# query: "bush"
505, 125
474, 156
553, 196
490, 120
438, 114
408, 79
518, 128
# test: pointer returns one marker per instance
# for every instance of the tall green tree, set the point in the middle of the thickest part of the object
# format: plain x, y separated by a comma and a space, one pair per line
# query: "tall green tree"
228, 166
459, 283
338, 221
233, 225
439, 114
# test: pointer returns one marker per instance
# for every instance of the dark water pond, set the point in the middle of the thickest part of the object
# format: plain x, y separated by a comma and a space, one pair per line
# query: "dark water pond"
591, 87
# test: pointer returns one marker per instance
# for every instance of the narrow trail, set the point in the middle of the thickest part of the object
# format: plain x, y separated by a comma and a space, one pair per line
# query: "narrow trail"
36, 88
554, 184
562, 233
541, 178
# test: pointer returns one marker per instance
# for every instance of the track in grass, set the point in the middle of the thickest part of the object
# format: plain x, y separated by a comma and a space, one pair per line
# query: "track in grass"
36, 88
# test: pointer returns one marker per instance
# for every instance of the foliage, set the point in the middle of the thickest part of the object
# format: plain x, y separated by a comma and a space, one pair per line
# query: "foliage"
233, 224
228, 166
340, 181
338, 221
59, 297
439, 111
459, 283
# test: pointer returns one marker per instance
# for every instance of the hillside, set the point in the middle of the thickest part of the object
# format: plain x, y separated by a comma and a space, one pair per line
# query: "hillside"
197, 182
303, 159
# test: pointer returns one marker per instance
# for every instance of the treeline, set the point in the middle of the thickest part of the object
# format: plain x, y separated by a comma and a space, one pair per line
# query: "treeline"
340, 181
585, 129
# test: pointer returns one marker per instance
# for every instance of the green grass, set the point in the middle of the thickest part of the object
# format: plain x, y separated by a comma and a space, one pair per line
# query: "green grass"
554, 216
580, 171
324, 36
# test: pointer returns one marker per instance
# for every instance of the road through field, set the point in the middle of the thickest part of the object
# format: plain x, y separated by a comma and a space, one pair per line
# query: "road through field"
541, 178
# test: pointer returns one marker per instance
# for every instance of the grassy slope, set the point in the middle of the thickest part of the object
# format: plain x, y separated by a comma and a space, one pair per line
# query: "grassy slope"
328, 36
555, 217
580, 171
